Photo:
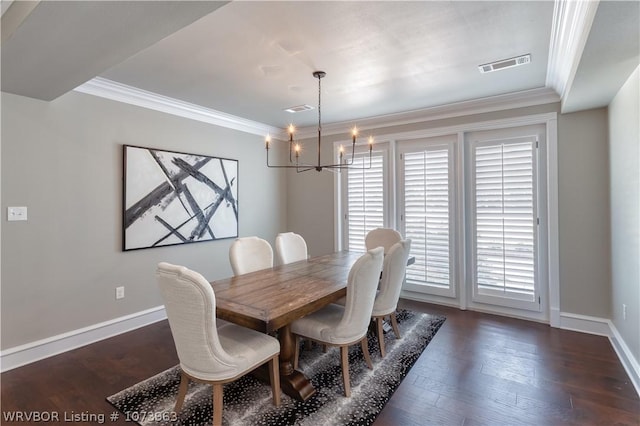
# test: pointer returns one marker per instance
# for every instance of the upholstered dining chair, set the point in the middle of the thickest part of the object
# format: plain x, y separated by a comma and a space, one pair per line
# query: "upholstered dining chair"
343, 326
249, 254
290, 247
381, 237
211, 350
386, 302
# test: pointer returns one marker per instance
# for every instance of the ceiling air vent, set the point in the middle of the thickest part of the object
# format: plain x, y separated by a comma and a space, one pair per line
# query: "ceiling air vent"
299, 108
505, 63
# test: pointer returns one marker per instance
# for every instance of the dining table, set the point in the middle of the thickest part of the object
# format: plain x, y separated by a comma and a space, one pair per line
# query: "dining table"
269, 300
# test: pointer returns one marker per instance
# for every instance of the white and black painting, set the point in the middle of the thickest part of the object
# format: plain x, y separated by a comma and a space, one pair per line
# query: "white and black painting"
177, 198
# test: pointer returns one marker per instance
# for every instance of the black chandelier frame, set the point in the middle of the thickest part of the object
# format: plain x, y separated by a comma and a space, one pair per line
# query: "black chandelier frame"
294, 148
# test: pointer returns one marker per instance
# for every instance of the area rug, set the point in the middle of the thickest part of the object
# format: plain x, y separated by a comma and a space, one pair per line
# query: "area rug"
248, 401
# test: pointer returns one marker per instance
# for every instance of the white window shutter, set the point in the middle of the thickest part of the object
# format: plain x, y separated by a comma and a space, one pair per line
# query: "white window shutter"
365, 198
427, 216
505, 220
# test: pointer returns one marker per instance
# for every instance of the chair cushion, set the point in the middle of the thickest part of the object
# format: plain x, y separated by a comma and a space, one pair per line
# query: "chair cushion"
338, 325
249, 348
320, 325
208, 348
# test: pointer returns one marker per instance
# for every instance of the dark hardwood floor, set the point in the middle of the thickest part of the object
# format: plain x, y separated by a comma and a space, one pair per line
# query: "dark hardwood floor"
479, 369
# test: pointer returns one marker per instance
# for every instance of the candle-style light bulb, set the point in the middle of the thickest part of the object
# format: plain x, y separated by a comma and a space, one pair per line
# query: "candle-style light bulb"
341, 152
354, 133
267, 141
291, 130
370, 143
297, 150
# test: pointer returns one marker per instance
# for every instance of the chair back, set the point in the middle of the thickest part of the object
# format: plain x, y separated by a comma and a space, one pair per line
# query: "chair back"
249, 254
191, 309
361, 292
393, 272
382, 237
290, 248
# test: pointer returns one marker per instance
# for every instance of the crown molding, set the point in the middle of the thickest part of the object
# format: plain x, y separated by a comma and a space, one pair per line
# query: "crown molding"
115, 91
123, 93
526, 98
572, 20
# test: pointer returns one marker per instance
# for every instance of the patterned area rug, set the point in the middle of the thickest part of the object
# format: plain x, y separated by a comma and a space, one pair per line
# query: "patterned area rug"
248, 401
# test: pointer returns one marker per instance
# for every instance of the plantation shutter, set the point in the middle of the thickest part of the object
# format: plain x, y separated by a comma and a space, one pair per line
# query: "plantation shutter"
505, 219
365, 198
427, 216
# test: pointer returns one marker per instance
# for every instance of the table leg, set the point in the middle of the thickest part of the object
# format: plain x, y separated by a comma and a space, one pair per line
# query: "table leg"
293, 382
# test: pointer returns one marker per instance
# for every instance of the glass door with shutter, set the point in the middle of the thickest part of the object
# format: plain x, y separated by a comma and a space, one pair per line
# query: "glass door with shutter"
474, 204
426, 192
503, 222
365, 196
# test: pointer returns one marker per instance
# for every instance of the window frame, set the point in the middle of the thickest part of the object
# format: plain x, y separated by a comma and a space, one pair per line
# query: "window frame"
549, 263
450, 143
494, 297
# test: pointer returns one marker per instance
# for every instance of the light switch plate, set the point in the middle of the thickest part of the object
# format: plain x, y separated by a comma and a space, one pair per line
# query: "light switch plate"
16, 213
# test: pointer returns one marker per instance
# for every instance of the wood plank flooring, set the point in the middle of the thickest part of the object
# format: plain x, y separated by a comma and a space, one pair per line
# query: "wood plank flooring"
479, 369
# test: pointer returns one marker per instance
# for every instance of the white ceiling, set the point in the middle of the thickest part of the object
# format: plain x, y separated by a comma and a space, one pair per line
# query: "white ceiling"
253, 59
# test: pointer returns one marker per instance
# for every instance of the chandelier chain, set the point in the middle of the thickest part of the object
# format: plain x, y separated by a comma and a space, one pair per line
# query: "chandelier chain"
319, 110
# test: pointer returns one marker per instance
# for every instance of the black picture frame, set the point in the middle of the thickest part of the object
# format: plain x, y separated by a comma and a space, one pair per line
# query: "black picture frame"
172, 198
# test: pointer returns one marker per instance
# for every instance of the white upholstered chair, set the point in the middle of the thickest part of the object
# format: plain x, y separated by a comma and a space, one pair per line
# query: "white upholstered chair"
211, 350
249, 254
290, 248
381, 237
343, 326
386, 302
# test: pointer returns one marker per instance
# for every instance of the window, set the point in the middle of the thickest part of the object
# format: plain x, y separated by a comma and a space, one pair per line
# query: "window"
480, 207
365, 197
504, 221
427, 200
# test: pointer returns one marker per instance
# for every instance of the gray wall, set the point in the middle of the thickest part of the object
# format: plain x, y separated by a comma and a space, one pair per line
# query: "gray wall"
583, 180
310, 211
624, 153
583, 203
63, 160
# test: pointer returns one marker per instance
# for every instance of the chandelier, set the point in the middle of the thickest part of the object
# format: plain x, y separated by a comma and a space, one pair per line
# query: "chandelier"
294, 148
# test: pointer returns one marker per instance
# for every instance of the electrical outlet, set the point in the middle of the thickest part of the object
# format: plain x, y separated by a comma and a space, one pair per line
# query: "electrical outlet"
624, 311
120, 292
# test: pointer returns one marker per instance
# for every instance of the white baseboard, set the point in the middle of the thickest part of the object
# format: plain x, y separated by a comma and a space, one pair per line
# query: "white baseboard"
629, 363
585, 324
605, 327
35, 351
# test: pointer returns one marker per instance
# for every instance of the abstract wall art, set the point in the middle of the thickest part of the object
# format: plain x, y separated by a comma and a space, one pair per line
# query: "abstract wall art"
177, 198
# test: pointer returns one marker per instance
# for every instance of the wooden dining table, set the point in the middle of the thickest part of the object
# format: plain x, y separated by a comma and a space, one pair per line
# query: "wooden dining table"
270, 299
